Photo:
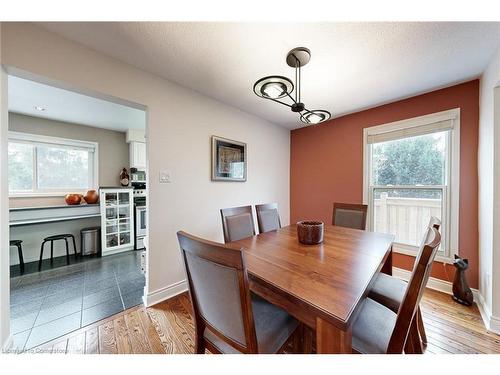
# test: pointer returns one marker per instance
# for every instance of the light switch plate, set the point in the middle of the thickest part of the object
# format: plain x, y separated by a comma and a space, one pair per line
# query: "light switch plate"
165, 177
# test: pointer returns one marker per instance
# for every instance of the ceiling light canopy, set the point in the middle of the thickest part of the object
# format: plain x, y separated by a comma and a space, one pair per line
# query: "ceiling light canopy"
279, 87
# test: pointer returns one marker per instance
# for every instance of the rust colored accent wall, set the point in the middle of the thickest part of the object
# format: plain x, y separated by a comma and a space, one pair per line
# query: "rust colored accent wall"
326, 165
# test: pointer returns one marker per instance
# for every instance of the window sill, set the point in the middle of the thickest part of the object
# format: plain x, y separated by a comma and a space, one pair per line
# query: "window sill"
413, 251
45, 195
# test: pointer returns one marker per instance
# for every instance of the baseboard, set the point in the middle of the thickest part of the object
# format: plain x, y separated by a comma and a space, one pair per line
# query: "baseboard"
433, 283
165, 293
491, 323
495, 324
484, 311
436, 284
8, 344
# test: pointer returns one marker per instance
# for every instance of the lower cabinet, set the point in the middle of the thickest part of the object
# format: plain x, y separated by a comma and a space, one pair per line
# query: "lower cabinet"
117, 220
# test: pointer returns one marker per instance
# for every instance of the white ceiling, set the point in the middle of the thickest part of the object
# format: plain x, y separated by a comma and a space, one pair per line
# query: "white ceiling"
69, 106
353, 65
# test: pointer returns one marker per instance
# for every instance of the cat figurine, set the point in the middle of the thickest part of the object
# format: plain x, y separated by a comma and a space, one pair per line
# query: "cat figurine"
461, 291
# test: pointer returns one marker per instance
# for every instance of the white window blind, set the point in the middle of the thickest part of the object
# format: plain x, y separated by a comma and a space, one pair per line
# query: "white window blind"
392, 135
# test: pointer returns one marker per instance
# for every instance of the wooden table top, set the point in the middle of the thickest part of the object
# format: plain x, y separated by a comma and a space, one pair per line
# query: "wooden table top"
330, 278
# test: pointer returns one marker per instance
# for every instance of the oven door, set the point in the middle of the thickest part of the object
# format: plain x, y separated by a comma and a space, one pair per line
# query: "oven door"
140, 221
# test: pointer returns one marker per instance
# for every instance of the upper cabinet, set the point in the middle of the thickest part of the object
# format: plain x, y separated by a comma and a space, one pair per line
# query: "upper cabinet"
138, 155
137, 141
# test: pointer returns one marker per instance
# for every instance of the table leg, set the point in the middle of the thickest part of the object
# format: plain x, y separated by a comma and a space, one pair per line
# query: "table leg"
332, 340
387, 267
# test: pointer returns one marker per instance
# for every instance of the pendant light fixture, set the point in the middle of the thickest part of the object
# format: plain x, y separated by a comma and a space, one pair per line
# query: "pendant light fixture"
279, 87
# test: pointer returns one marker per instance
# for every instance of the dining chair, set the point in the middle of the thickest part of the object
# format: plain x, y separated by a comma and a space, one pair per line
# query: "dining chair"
378, 329
237, 223
268, 217
349, 215
389, 290
228, 318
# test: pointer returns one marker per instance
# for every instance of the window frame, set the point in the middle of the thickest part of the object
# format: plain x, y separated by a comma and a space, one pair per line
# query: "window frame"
40, 140
451, 188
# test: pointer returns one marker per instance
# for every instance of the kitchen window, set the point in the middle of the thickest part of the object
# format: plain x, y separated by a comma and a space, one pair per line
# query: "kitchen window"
42, 165
411, 172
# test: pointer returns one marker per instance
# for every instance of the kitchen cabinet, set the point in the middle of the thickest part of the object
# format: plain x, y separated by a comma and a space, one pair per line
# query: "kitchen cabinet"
138, 155
117, 220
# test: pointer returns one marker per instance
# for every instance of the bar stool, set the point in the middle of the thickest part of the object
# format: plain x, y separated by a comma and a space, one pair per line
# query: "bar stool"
51, 239
18, 243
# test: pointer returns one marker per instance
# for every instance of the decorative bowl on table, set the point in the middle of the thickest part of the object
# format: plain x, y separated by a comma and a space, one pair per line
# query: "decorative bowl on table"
310, 232
91, 197
73, 199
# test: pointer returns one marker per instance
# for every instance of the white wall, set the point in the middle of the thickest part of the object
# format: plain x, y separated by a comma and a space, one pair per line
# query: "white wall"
495, 284
4, 209
180, 123
489, 193
33, 235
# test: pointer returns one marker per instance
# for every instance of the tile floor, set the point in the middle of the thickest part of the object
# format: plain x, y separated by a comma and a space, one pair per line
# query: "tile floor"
59, 261
52, 303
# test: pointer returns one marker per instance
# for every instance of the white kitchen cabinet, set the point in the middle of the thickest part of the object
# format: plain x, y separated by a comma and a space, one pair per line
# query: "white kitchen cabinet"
117, 220
138, 155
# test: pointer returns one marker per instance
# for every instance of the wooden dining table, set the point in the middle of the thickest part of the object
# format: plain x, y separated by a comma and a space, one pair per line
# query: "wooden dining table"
322, 285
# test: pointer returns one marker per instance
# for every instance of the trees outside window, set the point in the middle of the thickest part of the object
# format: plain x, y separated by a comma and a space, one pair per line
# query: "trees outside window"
49, 165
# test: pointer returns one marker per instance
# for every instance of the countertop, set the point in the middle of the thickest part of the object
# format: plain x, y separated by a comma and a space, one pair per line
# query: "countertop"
52, 207
116, 187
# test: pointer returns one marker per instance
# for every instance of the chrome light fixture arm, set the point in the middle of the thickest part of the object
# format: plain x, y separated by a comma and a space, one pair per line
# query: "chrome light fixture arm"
277, 101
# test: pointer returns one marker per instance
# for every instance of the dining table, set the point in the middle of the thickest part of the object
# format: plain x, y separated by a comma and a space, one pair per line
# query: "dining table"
323, 285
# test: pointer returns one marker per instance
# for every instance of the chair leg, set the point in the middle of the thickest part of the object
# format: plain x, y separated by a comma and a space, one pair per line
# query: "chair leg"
41, 256
67, 251
199, 339
298, 339
21, 259
74, 246
308, 340
421, 327
413, 343
51, 252
409, 346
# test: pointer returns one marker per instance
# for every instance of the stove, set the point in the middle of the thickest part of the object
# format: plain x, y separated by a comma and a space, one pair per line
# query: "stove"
140, 217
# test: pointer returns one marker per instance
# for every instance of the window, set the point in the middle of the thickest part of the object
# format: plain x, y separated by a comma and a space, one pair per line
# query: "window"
411, 174
40, 165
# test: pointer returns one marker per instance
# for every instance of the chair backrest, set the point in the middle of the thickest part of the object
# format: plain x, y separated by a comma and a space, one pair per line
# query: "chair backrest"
415, 290
268, 217
237, 223
218, 287
434, 222
349, 215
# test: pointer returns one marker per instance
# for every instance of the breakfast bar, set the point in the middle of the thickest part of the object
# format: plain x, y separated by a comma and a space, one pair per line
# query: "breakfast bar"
50, 214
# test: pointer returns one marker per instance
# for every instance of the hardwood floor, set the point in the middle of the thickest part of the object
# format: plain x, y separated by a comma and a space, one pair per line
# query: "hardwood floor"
168, 328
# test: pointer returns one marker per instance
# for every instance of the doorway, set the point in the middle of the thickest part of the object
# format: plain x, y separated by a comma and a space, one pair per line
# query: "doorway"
61, 145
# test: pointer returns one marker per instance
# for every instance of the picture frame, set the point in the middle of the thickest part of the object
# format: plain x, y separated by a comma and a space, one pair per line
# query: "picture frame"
229, 160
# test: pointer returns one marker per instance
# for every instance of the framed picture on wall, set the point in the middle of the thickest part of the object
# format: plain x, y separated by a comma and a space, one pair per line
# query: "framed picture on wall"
229, 160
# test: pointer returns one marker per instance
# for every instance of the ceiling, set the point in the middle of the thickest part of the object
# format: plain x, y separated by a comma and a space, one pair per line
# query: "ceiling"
69, 106
353, 65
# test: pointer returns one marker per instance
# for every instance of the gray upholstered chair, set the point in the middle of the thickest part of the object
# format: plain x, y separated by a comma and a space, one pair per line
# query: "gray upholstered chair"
350, 215
389, 290
268, 217
237, 223
378, 329
228, 318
